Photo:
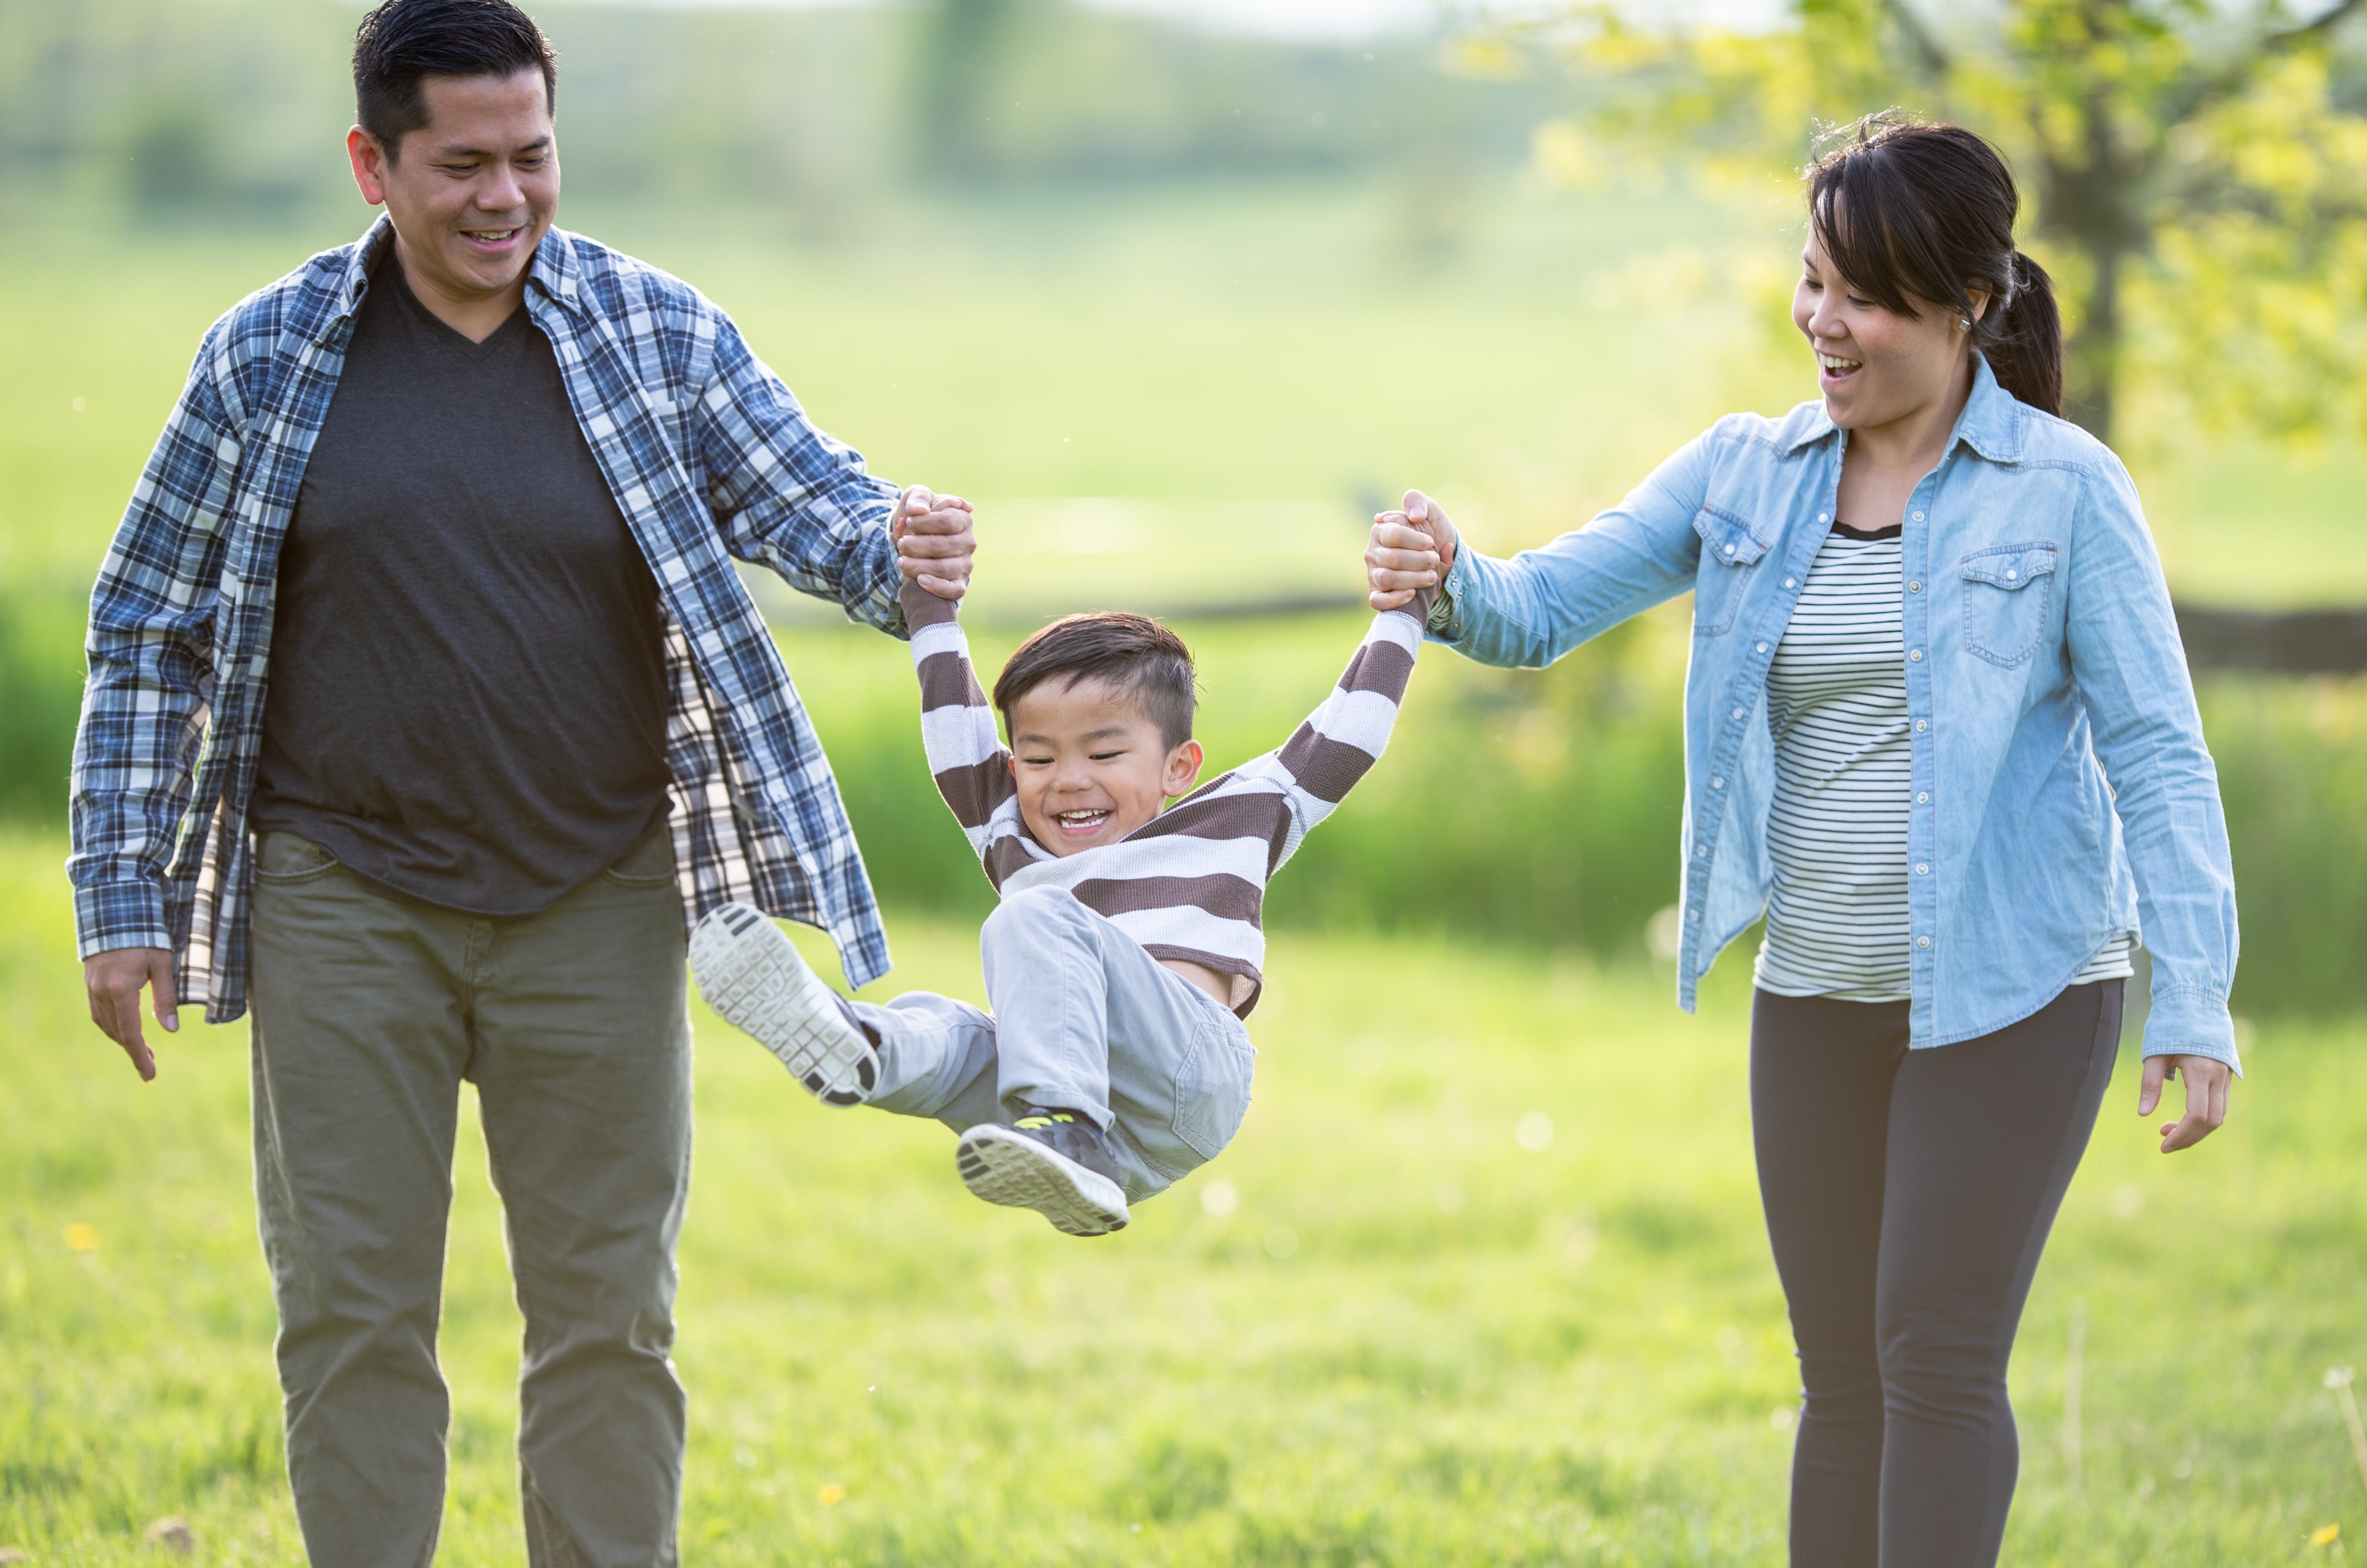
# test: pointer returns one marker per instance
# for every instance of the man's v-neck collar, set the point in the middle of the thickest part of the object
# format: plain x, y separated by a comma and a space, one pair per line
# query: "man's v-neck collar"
441, 332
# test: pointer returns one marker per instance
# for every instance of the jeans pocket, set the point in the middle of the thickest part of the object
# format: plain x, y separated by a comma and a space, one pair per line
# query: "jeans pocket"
649, 863
282, 858
1212, 1086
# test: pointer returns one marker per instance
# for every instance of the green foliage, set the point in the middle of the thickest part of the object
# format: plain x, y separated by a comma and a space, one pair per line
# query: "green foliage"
40, 697
2292, 773
2195, 172
1477, 1354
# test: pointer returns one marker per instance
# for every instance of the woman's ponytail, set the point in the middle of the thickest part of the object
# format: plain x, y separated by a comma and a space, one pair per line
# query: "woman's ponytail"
2021, 337
1930, 211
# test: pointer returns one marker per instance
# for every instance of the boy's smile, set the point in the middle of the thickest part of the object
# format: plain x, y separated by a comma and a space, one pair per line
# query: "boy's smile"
1091, 765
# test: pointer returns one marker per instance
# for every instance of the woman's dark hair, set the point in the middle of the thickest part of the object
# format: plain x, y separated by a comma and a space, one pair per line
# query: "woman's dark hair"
1133, 653
403, 40
1918, 215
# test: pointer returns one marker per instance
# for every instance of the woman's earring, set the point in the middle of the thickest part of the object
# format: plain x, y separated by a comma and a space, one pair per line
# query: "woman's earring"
1963, 323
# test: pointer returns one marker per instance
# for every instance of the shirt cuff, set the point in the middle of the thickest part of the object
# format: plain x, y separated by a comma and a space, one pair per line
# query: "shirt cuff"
1445, 622
112, 915
2188, 1020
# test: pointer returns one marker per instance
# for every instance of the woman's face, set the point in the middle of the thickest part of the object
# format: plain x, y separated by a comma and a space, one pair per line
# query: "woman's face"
1874, 365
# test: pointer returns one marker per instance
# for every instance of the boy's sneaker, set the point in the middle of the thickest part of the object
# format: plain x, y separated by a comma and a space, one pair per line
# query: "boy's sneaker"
754, 976
1062, 1169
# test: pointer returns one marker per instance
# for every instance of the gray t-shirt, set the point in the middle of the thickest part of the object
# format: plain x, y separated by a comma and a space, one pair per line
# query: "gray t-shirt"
467, 689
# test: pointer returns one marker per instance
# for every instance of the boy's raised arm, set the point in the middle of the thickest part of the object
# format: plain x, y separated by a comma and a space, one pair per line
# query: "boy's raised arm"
1337, 745
967, 756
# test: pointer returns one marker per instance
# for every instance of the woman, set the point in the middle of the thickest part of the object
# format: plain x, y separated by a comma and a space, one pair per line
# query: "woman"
1939, 729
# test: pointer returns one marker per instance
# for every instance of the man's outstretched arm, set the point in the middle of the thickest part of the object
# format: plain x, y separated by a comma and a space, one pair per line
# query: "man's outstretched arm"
794, 499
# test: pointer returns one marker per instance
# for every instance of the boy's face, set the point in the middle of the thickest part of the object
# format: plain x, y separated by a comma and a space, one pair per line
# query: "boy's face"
1091, 765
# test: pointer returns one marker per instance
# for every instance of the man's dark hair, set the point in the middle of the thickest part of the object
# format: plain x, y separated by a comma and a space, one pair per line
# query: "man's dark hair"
1132, 653
404, 41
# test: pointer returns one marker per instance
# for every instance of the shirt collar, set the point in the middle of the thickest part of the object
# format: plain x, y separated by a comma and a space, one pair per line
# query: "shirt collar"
1989, 424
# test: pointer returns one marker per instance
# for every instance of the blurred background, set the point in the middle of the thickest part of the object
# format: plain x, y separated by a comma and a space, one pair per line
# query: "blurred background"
1179, 292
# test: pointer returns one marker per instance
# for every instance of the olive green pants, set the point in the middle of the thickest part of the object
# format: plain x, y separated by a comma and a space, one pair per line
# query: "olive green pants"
370, 1009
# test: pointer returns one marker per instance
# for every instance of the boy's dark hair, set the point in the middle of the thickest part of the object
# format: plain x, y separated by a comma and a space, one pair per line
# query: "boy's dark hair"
404, 41
1133, 653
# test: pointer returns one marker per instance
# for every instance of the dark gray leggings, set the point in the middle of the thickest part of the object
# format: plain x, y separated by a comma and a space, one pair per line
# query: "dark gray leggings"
1908, 1195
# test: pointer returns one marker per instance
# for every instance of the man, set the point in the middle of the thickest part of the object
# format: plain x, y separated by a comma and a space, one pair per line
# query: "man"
426, 708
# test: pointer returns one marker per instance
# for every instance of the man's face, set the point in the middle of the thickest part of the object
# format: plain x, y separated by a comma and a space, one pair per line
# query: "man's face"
475, 188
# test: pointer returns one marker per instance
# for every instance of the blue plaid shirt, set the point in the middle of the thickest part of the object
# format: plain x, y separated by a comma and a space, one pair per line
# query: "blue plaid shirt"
709, 457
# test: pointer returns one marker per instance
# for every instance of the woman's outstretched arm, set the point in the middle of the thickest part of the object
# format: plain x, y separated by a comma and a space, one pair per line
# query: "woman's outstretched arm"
1530, 610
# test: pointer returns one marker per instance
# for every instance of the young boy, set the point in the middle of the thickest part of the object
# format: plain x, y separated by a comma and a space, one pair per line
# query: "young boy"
1125, 951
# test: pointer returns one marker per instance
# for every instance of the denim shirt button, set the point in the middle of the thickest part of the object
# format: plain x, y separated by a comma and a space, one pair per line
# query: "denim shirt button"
1916, 656
1738, 713
1762, 647
1791, 582
1694, 915
1921, 726
1923, 797
1700, 852
1921, 869
1914, 588
1717, 783
1919, 517
1922, 941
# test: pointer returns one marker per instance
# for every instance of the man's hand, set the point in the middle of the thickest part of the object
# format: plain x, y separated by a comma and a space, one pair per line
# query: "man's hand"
1413, 549
2207, 1098
933, 541
114, 980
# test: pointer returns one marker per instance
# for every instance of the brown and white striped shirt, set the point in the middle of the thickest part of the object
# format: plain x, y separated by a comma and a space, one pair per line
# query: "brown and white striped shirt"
1189, 883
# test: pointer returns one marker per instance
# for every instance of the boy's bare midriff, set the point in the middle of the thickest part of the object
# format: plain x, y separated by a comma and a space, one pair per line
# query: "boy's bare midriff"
1215, 982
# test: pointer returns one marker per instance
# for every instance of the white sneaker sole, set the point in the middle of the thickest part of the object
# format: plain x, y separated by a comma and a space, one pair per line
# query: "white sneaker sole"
1009, 1168
753, 977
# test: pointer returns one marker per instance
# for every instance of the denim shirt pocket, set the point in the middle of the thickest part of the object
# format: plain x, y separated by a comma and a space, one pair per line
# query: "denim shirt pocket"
1731, 551
2008, 590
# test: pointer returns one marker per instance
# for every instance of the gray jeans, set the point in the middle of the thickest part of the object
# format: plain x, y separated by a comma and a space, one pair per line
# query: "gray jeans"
1084, 1021
370, 1009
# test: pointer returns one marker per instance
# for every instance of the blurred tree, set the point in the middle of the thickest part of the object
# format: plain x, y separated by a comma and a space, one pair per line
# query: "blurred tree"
2201, 183
961, 48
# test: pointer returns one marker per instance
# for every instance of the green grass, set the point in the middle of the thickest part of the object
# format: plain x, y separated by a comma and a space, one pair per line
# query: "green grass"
1470, 1353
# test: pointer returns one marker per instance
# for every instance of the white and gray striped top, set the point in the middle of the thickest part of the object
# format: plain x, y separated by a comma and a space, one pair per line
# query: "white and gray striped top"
1837, 916
1189, 883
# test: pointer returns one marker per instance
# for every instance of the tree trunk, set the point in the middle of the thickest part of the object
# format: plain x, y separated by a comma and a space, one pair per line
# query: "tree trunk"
961, 54
2093, 202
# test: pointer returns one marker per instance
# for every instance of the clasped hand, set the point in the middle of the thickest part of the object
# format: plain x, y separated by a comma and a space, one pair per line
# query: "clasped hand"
1413, 549
934, 543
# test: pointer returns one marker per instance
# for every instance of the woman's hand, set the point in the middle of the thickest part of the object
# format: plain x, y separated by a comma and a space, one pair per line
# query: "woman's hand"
2206, 1082
1413, 549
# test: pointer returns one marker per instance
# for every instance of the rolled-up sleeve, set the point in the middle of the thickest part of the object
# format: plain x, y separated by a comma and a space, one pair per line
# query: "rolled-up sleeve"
2132, 673
1526, 612
149, 653
788, 496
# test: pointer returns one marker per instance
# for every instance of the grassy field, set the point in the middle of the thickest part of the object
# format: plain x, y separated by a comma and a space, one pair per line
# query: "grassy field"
1402, 1321
1409, 1340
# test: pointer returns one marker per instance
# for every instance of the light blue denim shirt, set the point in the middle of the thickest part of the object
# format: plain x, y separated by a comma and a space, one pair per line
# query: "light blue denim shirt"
2041, 661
